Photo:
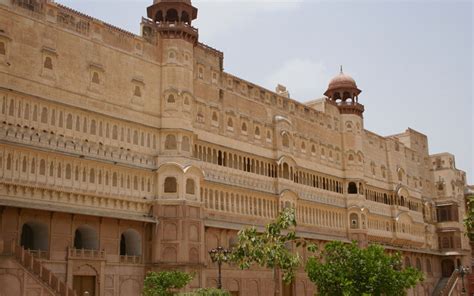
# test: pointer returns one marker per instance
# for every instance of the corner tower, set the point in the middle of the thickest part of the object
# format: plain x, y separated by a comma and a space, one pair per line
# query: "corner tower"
179, 239
344, 93
174, 18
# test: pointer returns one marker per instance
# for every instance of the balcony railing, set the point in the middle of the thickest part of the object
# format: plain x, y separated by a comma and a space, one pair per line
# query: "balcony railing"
86, 254
130, 259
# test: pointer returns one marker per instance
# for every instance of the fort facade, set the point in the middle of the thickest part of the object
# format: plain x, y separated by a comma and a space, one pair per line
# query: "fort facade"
124, 153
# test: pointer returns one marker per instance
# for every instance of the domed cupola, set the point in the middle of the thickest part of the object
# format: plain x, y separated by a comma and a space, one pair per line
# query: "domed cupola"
173, 18
344, 93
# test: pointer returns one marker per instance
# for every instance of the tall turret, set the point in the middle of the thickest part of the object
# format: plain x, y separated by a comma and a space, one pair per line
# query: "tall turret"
344, 93
174, 18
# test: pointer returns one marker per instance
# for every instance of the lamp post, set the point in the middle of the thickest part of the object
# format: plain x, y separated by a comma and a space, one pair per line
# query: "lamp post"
463, 270
219, 255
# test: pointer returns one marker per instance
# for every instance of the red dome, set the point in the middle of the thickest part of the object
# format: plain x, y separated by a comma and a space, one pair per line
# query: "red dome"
342, 83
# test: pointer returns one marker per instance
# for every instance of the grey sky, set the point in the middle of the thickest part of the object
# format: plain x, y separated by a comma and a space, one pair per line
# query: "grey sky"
413, 60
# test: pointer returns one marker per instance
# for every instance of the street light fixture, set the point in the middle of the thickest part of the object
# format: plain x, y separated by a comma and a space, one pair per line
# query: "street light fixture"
463, 270
219, 255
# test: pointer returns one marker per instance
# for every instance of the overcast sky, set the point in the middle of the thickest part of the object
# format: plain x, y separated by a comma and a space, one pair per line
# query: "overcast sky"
412, 59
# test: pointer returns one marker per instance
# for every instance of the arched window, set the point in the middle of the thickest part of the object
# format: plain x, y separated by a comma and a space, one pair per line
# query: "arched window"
159, 16
286, 171
130, 243
92, 176
135, 138
68, 172
171, 99
33, 166
35, 236
257, 132
285, 140
244, 127
24, 165
42, 169
354, 218
93, 127
185, 145
114, 179
190, 186
400, 175
44, 115
186, 101
352, 188
407, 262
48, 63
185, 18
114, 132
171, 16
171, 186
3, 48
214, 116
95, 78
230, 123
428, 266
86, 237
418, 264
170, 142
69, 121
9, 162
137, 92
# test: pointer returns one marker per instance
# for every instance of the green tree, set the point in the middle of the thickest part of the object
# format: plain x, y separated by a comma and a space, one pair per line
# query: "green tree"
347, 270
163, 283
270, 248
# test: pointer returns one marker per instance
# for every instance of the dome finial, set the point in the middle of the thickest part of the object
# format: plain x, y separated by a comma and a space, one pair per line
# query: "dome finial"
342, 72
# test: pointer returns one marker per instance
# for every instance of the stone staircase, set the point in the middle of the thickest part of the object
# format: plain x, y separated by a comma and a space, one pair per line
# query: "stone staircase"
445, 285
36, 268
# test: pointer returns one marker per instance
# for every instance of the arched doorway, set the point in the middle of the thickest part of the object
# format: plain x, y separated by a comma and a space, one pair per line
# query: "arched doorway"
86, 237
35, 236
447, 267
130, 243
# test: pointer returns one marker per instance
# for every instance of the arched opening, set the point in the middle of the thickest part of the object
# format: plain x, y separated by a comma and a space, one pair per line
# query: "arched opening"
285, 140
185, 18
447, 267
35, 236
354, 218
407, 262
171, 185
130, 243
171, 99
159, 16
190, 186
185, 145
48, 63
170, 142
3, 48
286, 171
172, 16
352, 188
86, 237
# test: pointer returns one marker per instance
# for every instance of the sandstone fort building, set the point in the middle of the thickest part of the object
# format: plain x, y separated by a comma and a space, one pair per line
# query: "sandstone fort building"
124, 153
